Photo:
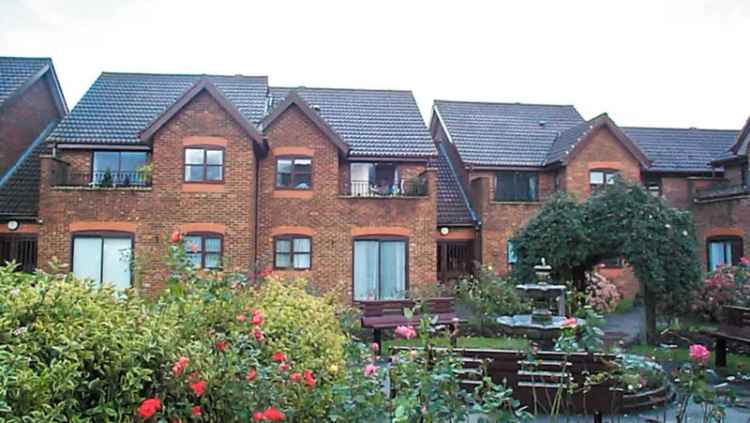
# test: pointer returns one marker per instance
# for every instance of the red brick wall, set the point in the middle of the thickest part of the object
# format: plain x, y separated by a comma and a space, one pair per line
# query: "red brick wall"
156, 212
676, 191
721, 218
334, 219
603, 151
23, 119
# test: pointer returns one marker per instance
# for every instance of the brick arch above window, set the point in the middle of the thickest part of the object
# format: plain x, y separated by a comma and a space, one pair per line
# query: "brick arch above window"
205, 140
293, 151
216, 228
605, 166
292, 230
92, 226
723, 231
380, 230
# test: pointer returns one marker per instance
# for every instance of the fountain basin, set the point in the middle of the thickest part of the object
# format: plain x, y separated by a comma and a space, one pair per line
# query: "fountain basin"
523, 325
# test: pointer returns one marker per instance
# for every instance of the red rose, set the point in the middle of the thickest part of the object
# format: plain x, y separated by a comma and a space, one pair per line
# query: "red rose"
278, 356
176, 237
309, 378
149, 407
199, 387
251, 374
273, 414
257, 318
197, 412
295, 377
258, 416
221, 345
283, 367
258, 334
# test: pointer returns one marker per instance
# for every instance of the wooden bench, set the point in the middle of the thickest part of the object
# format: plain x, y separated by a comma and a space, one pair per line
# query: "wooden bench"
735, 327
379, 315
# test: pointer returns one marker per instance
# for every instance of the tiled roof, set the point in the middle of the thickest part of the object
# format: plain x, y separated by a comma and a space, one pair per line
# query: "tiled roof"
682, 149
502, 134
371, 122
566, 140
19, 187
452, 204
15, 71
120, 105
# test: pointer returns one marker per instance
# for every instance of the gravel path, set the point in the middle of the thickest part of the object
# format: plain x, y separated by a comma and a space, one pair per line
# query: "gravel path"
625, 326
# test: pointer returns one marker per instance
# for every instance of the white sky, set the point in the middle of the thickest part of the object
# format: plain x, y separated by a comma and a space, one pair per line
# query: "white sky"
652, 63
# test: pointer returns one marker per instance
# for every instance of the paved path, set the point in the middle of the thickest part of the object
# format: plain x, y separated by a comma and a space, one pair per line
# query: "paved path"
625, 326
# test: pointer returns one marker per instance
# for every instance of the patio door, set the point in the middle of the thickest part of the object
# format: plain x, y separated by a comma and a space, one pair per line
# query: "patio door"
379, 269
103, 259
454, 259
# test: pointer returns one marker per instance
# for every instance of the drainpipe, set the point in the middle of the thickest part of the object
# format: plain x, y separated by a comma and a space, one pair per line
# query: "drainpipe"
255, 216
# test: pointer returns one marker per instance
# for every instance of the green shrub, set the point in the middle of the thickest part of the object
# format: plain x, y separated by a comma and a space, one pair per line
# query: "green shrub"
304, 325
488, 296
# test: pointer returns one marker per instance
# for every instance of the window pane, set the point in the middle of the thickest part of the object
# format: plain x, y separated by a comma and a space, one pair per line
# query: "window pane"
366, 270
116, 262
282, 260
194, 173
215, 157
104, 160
610, 178
194, 156
392, 269
87, 258
214, 173
213, 245
283, 172
283, 245
511, 253
532, 184
303, 165
301, 261
131, 161
194, 259
302, 181
213, 261
192, 244
596, 178
716, 255
301, 245
284, 166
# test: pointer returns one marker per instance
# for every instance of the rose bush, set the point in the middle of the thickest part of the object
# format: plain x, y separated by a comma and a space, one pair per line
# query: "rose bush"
602, 294
727, 285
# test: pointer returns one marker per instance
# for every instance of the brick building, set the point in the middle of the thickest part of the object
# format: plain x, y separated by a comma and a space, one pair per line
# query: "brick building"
31, 104
335, 184
347, 187
511, 156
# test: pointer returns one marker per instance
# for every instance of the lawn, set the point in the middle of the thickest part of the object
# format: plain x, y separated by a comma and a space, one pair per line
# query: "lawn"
503, 342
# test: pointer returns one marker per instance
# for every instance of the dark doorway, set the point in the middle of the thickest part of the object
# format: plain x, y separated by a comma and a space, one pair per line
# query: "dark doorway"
454, 259
21, 248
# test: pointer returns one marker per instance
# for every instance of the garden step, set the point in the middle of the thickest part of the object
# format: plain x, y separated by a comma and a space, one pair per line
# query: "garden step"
543, 373
524, 384
469, 372
539, 363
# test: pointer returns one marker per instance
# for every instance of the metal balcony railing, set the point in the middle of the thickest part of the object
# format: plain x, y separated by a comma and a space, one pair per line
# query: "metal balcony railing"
405, 188
103, 179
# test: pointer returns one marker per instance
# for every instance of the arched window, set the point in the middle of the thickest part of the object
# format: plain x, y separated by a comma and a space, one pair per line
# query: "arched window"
204, 250
292, 252
723, 250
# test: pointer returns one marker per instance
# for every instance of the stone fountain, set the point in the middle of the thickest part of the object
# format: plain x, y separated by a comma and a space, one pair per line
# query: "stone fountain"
542, 324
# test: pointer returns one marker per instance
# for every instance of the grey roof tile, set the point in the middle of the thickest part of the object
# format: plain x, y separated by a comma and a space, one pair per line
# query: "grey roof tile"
566, 140
682, 149
371, 122
505, 134
452, 206
120, 105
15, 71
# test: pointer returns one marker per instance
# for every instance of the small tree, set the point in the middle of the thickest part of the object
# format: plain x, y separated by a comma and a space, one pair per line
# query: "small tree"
622, 220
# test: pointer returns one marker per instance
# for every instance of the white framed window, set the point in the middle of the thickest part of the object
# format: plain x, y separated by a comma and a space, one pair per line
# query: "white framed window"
103, 259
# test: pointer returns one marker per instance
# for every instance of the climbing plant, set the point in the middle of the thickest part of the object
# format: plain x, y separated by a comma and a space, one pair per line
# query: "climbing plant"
620, 220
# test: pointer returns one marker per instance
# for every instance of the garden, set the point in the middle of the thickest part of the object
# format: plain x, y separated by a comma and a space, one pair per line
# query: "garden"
217, 347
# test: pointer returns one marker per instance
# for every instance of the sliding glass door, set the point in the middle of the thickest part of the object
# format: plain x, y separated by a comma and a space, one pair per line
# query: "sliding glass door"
379, 269
103, 259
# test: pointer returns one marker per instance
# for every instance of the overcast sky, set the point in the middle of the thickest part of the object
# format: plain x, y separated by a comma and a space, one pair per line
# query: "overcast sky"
651, 63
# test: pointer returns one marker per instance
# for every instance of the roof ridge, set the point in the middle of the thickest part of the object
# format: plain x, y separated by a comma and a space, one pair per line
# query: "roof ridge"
304, 87
692, 128
504, 103
208, 75
26, 58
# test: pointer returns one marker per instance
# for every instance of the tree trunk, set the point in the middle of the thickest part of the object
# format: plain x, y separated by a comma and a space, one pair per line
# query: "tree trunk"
648, 320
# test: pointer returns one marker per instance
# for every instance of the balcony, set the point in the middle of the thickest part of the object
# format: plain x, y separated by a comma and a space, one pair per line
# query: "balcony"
102, 179
722, 190
415, 187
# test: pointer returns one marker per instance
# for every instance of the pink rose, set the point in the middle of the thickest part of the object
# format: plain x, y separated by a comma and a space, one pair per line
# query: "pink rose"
699, 353
370, 370
375, 347
744, 261
570, 322
406, 332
